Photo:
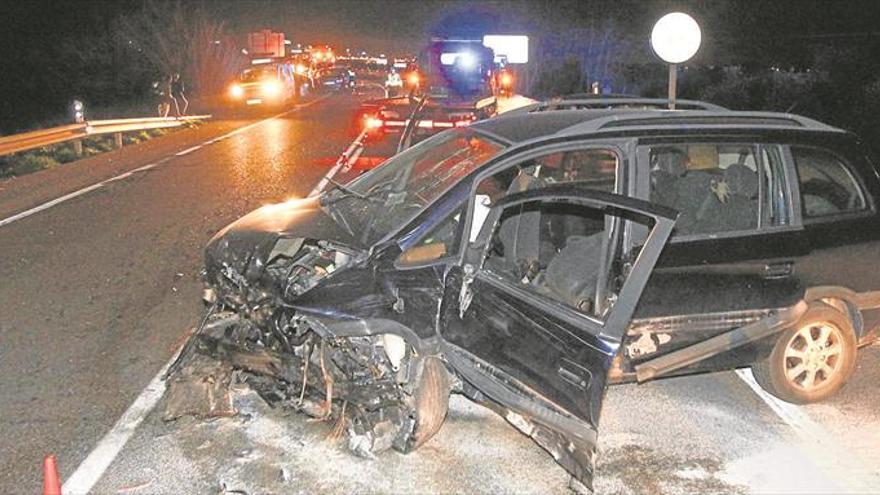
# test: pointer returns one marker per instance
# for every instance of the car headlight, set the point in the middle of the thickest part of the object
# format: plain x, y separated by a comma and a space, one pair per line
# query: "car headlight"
271, 88
236, 91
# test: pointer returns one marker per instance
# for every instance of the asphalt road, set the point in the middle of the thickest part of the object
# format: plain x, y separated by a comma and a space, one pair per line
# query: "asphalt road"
699, 434
98, 292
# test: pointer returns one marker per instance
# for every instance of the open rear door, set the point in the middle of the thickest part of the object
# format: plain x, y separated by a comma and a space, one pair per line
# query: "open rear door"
536, 335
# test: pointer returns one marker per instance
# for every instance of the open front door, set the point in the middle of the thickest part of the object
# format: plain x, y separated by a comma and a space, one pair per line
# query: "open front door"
535, 330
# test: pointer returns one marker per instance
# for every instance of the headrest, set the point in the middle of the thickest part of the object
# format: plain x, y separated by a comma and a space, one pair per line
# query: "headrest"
741, 180
672, 161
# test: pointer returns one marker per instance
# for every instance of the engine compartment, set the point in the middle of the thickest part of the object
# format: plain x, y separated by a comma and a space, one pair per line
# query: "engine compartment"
369, 386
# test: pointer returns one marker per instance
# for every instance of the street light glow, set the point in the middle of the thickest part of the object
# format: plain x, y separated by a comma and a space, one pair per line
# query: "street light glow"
676, 37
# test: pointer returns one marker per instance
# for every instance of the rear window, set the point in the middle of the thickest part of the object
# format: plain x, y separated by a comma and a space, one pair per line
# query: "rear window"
828, 185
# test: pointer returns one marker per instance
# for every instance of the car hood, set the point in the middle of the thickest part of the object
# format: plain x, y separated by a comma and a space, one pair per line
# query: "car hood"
246, 245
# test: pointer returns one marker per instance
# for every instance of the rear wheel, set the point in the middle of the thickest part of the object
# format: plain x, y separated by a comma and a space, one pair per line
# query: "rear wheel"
812, 360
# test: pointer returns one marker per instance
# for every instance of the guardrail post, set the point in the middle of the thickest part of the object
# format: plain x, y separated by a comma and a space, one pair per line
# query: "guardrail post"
78, 147
117, 139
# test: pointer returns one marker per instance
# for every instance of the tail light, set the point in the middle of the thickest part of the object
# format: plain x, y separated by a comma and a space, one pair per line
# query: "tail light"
373, 123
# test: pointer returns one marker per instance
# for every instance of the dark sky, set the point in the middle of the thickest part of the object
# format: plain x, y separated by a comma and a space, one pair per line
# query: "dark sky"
731, 28
761, 32
733, 24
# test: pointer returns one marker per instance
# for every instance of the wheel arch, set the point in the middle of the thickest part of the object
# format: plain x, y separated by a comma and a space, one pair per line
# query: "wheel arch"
842, 299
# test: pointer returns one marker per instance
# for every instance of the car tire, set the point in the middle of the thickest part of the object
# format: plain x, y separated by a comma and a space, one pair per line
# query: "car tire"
811, 360
431, 400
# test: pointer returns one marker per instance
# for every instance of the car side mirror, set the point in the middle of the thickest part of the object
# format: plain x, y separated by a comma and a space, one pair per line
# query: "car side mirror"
422, 254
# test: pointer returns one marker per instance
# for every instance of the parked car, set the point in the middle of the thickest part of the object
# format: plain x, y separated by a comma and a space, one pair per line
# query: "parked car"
337, 79
527, 261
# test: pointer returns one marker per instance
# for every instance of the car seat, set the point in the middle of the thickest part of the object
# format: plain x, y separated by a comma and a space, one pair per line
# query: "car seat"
738, 209
572, 274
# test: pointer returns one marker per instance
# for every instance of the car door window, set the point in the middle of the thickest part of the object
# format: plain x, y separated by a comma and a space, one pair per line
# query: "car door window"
827, 185
571, 269
440, 242
716, 187
594, 168
774, 191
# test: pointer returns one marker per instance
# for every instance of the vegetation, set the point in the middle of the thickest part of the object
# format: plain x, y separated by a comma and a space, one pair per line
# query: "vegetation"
108, 54
53, 156
837, 83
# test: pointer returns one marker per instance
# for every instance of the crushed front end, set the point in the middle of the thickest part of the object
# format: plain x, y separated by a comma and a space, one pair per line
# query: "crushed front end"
371, 386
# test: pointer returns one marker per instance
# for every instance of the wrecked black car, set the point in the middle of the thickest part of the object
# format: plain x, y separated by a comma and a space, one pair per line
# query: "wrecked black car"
529, 261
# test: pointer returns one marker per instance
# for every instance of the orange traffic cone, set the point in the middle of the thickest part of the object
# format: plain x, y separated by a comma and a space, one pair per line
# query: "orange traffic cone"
51, 483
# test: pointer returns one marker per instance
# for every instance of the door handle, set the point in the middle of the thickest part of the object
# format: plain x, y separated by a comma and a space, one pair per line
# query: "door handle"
778, 270
575, 374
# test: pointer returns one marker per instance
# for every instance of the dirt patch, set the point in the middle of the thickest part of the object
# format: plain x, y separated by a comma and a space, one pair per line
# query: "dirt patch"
633, 469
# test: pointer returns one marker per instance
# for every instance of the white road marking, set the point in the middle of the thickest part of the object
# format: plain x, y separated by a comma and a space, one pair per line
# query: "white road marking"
790, 413
817, 442
49, 204
188, 150
99, 459
145, 167
87, 189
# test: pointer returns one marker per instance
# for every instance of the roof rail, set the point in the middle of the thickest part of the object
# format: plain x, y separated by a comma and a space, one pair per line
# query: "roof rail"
594, 96
615, 102
698, 118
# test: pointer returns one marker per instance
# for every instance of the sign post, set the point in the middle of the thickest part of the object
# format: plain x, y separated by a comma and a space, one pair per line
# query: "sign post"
675, 39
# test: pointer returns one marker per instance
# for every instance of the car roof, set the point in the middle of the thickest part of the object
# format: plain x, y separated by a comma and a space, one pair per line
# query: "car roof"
592, 96
603, 101
517, 127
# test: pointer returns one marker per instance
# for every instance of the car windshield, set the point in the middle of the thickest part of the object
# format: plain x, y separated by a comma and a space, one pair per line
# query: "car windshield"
384, 199
258, 74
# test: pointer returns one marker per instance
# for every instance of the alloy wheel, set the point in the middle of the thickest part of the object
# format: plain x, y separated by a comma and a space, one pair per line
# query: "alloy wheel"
814, 354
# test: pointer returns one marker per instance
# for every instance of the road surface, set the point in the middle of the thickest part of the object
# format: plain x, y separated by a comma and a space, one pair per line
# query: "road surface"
99, 290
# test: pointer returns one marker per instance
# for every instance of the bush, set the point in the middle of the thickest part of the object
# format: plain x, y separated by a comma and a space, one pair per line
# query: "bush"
65, 154
102, 143
559, 79
28, 163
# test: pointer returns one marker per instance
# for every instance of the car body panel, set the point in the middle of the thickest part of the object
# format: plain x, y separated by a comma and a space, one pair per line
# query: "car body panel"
547, 365
701, 303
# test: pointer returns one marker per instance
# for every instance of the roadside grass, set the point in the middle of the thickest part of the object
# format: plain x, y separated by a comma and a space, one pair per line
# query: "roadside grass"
35, 160
52, 156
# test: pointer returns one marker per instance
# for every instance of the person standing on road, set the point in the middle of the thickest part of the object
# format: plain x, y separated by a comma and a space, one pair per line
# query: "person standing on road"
162, 88
177, 93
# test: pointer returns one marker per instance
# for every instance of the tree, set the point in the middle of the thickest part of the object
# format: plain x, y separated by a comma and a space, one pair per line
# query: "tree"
570, 60
173, 37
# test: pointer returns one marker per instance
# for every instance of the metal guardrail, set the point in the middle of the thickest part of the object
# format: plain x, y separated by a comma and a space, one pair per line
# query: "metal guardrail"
73, 132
